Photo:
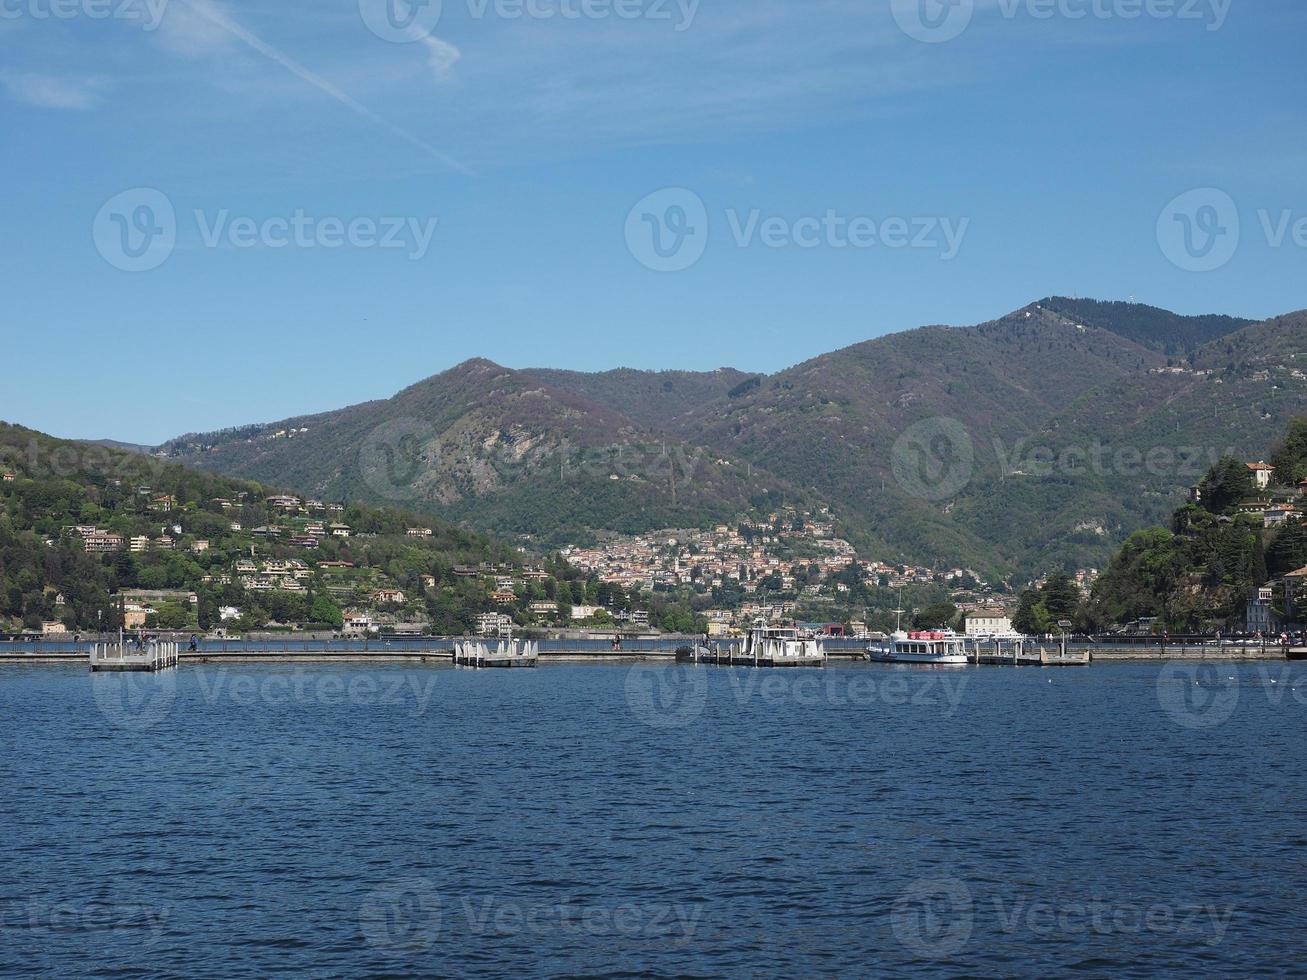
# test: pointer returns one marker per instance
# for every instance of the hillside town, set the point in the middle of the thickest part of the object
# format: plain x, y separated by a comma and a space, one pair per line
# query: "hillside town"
245, 561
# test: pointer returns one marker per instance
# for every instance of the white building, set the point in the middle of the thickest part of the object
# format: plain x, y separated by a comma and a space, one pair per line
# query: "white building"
1262, 472
495, 624
988, 622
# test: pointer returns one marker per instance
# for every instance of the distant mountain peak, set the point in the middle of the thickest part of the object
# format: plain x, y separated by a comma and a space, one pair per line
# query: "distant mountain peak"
1149, 326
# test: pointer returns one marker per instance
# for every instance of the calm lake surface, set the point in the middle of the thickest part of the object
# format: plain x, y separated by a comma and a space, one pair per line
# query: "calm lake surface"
1123, 820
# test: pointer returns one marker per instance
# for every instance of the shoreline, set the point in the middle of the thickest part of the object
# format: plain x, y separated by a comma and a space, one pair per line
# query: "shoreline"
440, 656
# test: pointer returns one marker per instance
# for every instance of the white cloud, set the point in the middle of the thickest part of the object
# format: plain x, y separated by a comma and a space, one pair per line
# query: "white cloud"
202, 39
441, 57
194, 29
52, 91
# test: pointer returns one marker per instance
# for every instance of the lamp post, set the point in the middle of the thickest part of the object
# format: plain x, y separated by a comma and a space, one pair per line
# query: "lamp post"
1064, 625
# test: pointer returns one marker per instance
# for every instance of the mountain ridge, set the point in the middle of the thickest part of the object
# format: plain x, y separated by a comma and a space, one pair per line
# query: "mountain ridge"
557, 454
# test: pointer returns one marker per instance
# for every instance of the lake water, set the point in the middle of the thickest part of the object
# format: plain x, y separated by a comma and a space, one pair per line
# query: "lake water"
1123, 820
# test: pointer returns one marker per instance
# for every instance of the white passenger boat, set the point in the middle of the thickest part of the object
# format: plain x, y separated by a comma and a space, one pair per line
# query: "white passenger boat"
922, 647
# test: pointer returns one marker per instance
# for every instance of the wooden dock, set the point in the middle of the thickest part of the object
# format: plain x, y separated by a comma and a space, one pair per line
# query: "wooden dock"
505, 656
1039, 657
125, 657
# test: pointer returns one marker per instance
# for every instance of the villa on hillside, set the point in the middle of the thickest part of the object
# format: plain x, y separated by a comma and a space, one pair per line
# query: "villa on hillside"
1262, 473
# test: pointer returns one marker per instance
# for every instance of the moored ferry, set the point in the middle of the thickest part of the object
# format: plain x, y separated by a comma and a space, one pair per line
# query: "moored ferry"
921, 647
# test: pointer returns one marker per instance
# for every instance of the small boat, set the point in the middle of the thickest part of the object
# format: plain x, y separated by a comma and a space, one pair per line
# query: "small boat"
696, 653
921, 647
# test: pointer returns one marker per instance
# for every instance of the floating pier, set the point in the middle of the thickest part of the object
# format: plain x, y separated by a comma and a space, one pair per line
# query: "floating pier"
757, 651
124, 657
506, 655
1026, 653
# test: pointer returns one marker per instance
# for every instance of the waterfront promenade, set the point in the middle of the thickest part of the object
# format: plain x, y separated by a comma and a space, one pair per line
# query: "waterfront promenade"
307, 649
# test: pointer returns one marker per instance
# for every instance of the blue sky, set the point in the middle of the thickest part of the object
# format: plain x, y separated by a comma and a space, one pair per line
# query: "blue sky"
1051, 146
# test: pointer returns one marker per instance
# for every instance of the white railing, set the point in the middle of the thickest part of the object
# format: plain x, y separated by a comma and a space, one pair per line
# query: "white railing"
155, 655
478, 654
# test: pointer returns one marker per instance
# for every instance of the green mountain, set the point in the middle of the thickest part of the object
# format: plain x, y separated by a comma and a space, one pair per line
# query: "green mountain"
497, 448
649, 398
955, 445
1157, 329
69, 512
1198, 572
843, 424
